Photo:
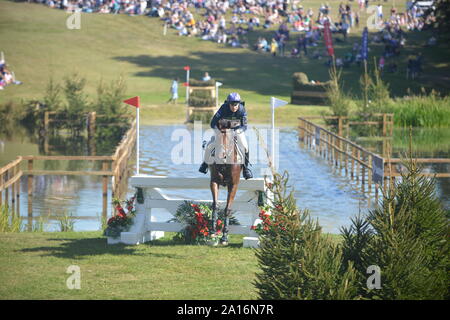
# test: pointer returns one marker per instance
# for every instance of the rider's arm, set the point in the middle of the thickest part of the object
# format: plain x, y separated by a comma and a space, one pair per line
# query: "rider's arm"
243, 125
217, 117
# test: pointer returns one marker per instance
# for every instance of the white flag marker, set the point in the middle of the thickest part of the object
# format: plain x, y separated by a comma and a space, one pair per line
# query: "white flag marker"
275, 103
218, 84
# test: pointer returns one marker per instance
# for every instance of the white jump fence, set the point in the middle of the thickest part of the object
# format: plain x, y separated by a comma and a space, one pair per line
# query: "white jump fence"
145, 227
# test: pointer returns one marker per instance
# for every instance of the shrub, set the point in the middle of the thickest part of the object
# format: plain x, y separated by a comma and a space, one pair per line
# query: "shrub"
296, 260
76, 103
340, 102
406, 237
111, 121
379, 94
9, 222
429, 111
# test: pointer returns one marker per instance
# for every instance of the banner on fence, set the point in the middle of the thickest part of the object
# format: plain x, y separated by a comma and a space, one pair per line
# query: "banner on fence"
377, 169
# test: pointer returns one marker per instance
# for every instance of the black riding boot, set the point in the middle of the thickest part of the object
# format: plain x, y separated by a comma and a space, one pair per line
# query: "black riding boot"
226, 222
246, 171
203, 168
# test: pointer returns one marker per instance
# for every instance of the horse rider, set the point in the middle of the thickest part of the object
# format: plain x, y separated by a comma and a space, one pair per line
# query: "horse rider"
232, 109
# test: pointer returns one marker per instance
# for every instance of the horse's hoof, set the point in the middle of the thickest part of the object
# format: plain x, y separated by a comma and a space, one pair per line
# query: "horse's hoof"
212, 243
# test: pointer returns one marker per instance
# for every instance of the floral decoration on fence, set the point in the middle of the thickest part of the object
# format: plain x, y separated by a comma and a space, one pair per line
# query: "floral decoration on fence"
197, 219
122, 221
268, 222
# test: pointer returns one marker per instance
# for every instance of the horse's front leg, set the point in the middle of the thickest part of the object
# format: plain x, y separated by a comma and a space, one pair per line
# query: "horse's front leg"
215, 193
232, 189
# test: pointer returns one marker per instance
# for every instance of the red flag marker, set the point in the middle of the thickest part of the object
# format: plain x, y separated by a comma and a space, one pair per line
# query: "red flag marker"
187, 68
328, 39
133, 101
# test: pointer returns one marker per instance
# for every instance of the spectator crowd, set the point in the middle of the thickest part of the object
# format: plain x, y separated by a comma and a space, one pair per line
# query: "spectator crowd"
229, 22
7, 76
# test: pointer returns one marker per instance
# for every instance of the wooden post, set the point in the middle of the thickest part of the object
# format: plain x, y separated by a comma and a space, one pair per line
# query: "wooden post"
341, 156
18, 192
330, 146
358, 156
46, 121
13, 192
1, 185
376, 193
336, 152
345, 147
7, 189
302, 130
391, 128
91, 132
309, 136
30, 195
353, 162
363, 177
385, 178
46, 131
369, 174
384, 124
105, 190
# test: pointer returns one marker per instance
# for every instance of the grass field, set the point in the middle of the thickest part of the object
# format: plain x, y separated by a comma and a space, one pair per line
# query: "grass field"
37, 46
34, 267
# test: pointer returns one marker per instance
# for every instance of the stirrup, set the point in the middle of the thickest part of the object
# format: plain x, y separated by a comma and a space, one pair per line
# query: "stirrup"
247, 174
203, 168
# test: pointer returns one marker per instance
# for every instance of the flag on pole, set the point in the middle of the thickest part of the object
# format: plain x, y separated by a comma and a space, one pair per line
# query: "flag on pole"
133, 101
327, 38
364, 44
278, 103
275, 103
218, 84
187, 68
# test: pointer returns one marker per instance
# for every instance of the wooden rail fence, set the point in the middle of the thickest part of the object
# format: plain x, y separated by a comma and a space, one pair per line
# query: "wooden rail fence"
343, 123
115, 166
368, 169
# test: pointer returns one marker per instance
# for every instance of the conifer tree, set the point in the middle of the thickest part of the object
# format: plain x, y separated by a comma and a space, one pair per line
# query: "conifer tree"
406, 236
296, 260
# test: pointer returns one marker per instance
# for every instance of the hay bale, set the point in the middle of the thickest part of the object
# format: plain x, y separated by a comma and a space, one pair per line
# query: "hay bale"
299, 78
195, 101
201, 83
307, 93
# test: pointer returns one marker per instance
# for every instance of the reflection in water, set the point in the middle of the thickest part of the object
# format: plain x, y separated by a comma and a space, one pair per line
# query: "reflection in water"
328, 197
426, 143
332, 199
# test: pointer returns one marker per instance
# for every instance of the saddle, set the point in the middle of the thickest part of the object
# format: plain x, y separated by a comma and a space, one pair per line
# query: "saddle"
224, 148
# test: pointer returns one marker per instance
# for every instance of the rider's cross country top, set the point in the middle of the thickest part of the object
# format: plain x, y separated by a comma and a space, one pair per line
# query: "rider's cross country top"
232, 109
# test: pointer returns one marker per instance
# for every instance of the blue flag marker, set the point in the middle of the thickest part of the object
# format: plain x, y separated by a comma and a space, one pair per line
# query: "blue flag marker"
364, 46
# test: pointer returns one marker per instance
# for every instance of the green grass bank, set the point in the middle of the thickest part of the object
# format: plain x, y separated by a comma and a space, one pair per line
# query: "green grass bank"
37, 46
34, 266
